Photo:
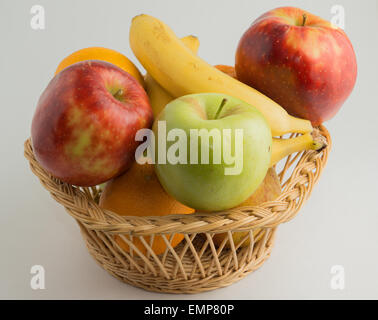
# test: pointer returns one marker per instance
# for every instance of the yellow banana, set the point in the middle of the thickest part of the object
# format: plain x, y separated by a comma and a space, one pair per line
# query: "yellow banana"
159, 97
281, 148
181, 72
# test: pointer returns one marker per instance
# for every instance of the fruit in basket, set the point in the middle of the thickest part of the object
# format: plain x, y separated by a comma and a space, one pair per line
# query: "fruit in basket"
139, 193
181, 72
269, 190
205, 183
103, 54
159, 97
83, 130
304, 63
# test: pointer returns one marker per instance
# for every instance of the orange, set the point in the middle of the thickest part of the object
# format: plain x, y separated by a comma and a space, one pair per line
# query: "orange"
138, 193
229, 70
104, 54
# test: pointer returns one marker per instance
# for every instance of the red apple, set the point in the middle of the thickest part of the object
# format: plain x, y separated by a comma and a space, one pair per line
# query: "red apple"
304, 63
83, 130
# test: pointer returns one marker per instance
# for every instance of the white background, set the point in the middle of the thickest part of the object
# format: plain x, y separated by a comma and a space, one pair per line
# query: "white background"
337, 226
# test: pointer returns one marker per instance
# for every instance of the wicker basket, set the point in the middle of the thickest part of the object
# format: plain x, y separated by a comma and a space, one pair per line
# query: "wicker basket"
196, 264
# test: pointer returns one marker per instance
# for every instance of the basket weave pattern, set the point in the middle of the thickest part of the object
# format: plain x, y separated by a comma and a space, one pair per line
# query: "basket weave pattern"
196, 264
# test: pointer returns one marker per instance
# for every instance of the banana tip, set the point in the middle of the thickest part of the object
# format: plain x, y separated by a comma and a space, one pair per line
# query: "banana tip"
138, 16
320, 142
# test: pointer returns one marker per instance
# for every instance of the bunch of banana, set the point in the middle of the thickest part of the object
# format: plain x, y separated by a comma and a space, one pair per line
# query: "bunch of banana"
281, 148
179, 71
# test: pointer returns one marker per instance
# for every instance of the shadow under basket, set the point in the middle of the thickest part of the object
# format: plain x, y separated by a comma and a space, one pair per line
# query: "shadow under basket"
198, 263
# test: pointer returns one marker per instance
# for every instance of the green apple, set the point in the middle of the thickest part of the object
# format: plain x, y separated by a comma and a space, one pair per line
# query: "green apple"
212, 150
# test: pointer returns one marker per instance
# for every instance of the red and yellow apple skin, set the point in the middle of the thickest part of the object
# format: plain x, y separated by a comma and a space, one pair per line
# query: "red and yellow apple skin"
83, 130
309, 69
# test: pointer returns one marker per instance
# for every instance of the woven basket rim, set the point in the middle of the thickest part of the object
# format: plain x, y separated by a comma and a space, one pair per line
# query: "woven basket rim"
80, 205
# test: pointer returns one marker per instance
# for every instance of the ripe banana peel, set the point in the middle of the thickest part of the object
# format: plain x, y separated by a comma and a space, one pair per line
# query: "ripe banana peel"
179, 71
159, 97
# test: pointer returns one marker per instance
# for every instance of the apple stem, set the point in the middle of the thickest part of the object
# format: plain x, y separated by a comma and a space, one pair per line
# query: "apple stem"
224, 100
119, 94
304, 19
